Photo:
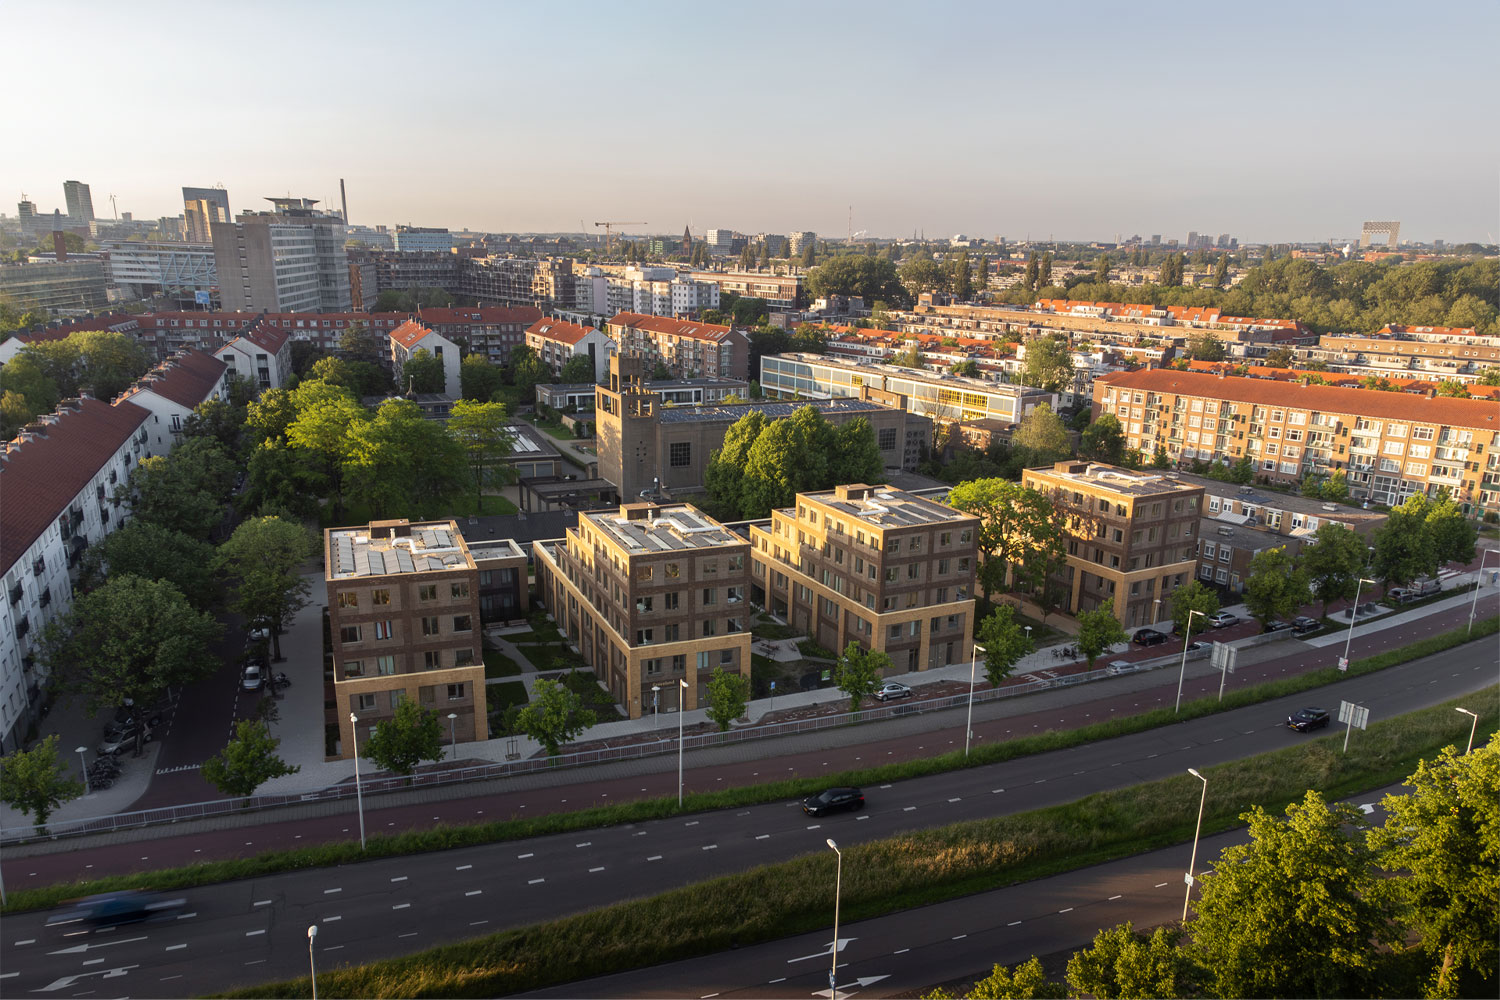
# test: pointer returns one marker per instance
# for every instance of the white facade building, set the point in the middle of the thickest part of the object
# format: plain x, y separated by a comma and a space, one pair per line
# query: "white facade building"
411, 337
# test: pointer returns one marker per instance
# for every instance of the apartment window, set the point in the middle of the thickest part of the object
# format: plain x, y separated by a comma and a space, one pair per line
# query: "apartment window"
709, 627
943, 565
643, 605
349, 633
669, 601
380, 597
432, 659
463, 623
643, 574
383, 629
710, 596
964, 536
461, 591
354, 668
463, 658
430, 626
427, 592
348, 599
455, 692
653, 666
670, 633
645, 636
672, 571
680, 454
366, 702
710, 567
895, 632
385, 665
726, 656
703, 661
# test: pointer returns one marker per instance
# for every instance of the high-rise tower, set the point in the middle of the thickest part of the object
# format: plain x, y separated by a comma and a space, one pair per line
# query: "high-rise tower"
80, 202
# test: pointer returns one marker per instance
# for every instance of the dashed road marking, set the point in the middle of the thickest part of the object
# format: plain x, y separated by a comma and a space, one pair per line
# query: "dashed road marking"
900, 951
764, 836
710, 847
463, 868
1160, 884
262, 902
996, 791
1013, 923
816, 826
535, 881
523, 857
586, 843
476, 923
329, 920
399, 878
959, 937
407, 934
1068, 910
909, 809
175, 947
1112, 898
253, 933
401, 906
327, 892
599, 869
474, 892
654, 857
27, 941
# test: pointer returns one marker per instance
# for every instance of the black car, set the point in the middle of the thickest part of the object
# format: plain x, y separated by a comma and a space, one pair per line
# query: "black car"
109, 909
1277, 625
1304, 625
1149, 637
1307, 718
832, 800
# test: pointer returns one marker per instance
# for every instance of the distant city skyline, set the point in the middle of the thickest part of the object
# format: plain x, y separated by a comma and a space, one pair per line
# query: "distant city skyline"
1276, 121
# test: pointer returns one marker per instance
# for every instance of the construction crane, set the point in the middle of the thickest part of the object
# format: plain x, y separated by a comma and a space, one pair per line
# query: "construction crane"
609, 238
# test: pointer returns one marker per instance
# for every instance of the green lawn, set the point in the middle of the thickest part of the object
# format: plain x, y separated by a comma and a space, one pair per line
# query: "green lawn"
464, 507
497, 664
501, 696
550, 657
765, 627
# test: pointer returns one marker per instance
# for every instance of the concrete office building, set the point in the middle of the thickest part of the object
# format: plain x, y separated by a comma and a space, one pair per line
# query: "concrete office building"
74, 285
873, 565
651, 596
290, 259
1133, 537
141, 269
421, 239
403, 608
80, 203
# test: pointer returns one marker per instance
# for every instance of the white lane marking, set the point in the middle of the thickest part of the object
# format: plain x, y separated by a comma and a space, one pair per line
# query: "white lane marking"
900, 951
1013, 923
523, 857
407, 934
27, 941
764, 836
476, 923
329, 892
693, 823
258, 961
885, 786
184, 916
710, 847
401, 906
463, 868
586, 843
959, 937
163, 978
329, 920
535, 881
175, 947
858, 818
816, 826
332, 947
253, 933
262, 902
909, 809
956, 800
1068, 910
996, 791
473, 892
599, 869
1112, 898
654, 857
94, 961
771, 983
399, 878
1159, 885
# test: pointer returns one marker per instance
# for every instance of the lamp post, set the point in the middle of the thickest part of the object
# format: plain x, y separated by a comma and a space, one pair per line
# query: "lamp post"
1194, 862
1187, 637
969, 726
1156, 611
1353, 614
1478, 582
681, 709
83, 765
838, 885
312, 965
655, 704
359, 793
1472, 726
453, 733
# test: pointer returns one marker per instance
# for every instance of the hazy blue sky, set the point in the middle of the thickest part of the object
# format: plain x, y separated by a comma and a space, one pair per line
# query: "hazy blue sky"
1267, 120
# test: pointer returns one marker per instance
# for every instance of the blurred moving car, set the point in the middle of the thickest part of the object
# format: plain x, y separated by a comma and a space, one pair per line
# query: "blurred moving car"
892, 689
108, 909
1307, 718
832, 800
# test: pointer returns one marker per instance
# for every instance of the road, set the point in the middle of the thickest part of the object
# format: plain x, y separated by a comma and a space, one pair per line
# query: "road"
255, 930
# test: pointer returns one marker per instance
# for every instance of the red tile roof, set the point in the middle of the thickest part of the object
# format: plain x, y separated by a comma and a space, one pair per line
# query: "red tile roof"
265, 337
670, 326
410, 334
188, 379
41, 477
1482, 414
559, 330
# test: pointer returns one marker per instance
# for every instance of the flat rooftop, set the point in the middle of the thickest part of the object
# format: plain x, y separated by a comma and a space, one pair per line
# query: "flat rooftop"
708, 414
884, 507
500, 548
1294, 502
388, 548
1123, 482
642, 529
527, 442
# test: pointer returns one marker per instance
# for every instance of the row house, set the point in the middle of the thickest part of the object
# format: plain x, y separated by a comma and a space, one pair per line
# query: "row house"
556, 341
411, 337
261, 354
877, 566
688, 349
1389, 444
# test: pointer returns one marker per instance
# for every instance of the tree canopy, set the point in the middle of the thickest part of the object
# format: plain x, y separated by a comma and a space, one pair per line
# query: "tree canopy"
851, 274
1048, 364
398, 744
247, 761
1097, 631
263, 559
1276, 587
763, 464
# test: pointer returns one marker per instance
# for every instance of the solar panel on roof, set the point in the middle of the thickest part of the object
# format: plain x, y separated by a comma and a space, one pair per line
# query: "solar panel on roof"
404, 561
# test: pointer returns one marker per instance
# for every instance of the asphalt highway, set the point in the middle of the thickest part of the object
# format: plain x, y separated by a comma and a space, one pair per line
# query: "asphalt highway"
254, 930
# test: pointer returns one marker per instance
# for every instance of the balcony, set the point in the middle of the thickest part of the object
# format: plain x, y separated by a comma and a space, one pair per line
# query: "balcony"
23, 627
39, 567
16, 593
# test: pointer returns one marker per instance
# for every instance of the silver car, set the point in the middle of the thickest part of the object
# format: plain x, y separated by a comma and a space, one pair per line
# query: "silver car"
254, 678
892, 690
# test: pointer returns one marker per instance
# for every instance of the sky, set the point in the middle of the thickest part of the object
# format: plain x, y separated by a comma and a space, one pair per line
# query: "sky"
1270, 121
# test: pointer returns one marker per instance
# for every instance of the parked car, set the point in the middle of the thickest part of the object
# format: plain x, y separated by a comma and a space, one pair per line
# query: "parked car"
1302, 625
258, 632
1223, 619
891, 690
1307, 718
254, 678
1277, 625
1149, 637
111, 908
832, 800
122, 738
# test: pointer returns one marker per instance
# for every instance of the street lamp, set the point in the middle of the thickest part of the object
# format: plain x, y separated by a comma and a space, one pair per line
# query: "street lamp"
969, 727
1478, 582
359, 793
312, 965
83, 765
1194, 862
1187, 637
1156, 611
1472, 726
453, 733
681, 708
1353, 614
838, 885
655, 703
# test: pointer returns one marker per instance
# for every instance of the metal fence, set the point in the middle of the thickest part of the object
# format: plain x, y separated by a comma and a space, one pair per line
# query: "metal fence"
167, 815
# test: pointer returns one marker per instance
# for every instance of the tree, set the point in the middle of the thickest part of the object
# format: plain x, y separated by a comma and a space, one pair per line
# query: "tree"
527, 371
1123, 963
1279, 357
247, 761
577, 369
477, 378
1097, 631
962, 279
724, 475
858, 673
1404, 547
1335, 489
1276, 588
153, 552
1020, 533
361, 378
1048, 364
1295, 912
326, 418
267, 418
1161, 460
1033, 273
1044, 270
1453, 536
922, 274
402, 464
359, 343
216, 420
789, 456
969, 368
132, 638
403, 741
1441, 844
1242, 471
1041, 437
186, 490
422, 372
1450, 387
1104, 440
855, 456
1205, 347
35, 781
264, 558
1221, 271
1101, 269
484, 436
1005, 641
728, 695
1333, 563
1194, 596
870, 277
1028, 981
554, 716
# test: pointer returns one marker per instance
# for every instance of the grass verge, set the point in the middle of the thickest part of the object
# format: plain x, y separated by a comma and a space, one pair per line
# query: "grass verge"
898, 873
444, 837
497, 664
501, 696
